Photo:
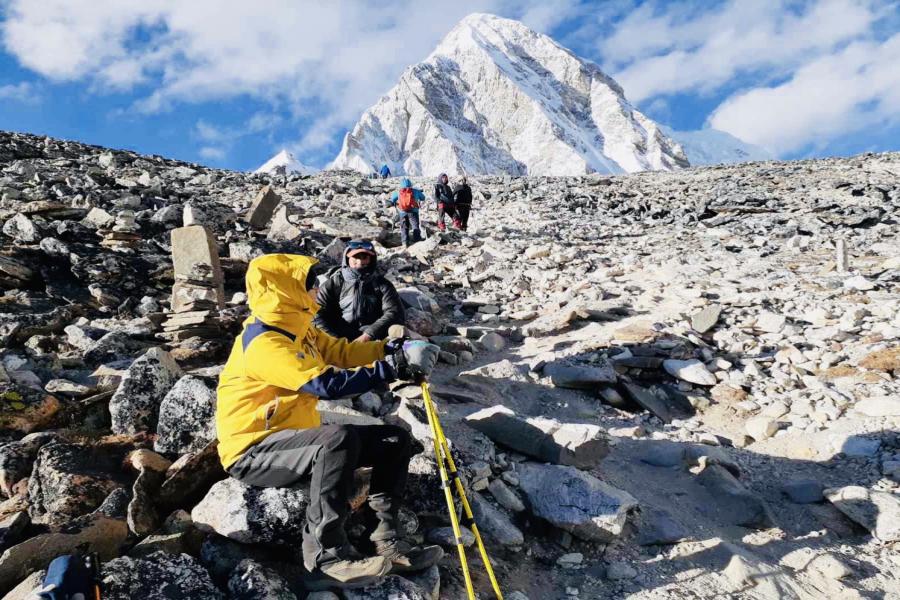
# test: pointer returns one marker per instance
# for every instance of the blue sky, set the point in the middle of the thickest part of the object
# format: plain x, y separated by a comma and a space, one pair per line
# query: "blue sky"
228, 83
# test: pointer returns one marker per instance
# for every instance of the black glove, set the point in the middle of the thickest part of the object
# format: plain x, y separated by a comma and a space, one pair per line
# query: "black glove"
413, 360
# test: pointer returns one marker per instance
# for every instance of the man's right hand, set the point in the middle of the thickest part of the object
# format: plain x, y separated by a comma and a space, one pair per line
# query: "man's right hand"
415, 360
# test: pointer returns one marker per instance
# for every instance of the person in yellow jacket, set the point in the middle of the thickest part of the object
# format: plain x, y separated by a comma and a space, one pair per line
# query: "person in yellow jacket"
270, 433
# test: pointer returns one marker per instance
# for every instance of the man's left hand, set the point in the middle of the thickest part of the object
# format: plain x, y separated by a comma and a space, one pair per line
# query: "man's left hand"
363, 338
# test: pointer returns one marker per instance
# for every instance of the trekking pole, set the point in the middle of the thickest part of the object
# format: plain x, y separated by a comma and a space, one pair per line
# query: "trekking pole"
448, 494
441, 445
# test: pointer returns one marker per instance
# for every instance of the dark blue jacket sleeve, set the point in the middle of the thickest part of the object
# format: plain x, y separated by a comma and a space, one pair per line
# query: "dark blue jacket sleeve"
337, 383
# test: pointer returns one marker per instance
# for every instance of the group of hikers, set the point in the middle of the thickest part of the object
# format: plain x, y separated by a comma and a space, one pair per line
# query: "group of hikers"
454, 203
316, 333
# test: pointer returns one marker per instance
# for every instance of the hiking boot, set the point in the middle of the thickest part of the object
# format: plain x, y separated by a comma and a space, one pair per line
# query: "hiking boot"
405, 557
349, 570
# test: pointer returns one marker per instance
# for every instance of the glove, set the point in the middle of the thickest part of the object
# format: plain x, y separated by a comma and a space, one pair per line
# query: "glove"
414, 360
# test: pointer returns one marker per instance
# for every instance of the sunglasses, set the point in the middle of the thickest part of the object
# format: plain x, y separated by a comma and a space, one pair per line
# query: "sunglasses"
361, 246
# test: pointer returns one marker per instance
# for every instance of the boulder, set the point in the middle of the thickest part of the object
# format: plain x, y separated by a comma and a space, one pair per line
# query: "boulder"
24, 408
250, 514
579, 376
186, 417
160, 576
575, 501
262, 207
71, 480
576, 444
734, 503
17, 459
135, 405
12, 527
493, 522
692, 371
252, 581
706, 319
189, 478
879, 512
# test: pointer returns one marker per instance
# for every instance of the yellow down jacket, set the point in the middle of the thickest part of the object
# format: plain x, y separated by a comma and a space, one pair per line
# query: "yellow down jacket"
278, 352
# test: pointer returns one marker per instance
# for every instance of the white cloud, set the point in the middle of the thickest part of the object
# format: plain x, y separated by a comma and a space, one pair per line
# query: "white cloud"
335, 58
20, 92
856, 88
212, 153
682, 48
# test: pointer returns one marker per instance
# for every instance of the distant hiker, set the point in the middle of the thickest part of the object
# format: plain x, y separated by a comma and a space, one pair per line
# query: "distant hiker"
271, 434
356, 301
462, 195
443, 196
407, 202
385, 171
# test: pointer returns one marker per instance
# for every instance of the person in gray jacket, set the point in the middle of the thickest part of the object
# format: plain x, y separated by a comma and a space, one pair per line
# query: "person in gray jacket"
356, 301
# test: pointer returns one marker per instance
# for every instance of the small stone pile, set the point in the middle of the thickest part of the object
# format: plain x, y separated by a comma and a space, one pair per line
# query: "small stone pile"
124, 232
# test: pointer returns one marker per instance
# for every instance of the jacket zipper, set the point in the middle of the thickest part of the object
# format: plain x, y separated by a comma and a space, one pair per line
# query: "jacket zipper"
271, 413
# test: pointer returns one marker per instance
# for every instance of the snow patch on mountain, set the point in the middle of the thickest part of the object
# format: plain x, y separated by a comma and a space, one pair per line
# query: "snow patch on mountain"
497, 97
713, 147
283, 163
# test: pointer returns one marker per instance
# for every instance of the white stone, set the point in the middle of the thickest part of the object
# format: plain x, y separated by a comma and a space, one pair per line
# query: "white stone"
761, 428
692, 371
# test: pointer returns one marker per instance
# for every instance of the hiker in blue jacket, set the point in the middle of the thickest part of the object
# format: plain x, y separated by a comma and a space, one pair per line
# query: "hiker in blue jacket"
407, 202
385, 171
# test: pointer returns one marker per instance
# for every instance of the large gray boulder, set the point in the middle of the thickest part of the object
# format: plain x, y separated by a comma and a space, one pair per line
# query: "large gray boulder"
187, 417
160, 576
252, 581
135, 405
576, 444
71, 480
575, 501
879, 512
250, 514
17, 459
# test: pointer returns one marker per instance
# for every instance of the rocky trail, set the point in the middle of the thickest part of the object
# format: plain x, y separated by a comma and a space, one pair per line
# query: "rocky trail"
660, 385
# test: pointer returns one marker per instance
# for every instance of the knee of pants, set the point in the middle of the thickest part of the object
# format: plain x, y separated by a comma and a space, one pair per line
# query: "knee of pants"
342, 438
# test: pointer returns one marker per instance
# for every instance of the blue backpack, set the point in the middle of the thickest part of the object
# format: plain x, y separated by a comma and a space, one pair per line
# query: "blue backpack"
72, 577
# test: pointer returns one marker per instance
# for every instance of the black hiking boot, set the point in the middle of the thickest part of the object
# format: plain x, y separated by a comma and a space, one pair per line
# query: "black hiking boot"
405, 557
347, 568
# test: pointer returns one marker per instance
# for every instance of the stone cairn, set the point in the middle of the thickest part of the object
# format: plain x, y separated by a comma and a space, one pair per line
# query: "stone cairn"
124, 232
199, 291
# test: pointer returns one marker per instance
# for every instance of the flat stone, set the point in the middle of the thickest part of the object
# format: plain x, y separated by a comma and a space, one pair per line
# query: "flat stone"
880, 406
734, 504
579, 377
706, 319
770, 322
494, 523
662, 405
879, 512
692, 371
575, 501
580, 445
804, 491
658, 527
761, 428
262, 207
194, 255
505, 496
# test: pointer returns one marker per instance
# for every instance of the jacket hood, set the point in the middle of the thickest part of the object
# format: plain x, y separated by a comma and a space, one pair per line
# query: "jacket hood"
345, 261
276, 290
440, 178
405, 183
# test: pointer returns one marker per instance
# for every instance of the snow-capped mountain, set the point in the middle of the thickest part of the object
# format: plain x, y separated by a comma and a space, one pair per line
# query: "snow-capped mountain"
713, 147
284, 163
497, 97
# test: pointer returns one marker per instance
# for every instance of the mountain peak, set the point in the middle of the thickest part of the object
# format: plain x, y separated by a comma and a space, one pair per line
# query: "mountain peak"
496, 97
284, 163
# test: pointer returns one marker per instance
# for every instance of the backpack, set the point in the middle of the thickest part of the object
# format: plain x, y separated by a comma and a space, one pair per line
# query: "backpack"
407, 200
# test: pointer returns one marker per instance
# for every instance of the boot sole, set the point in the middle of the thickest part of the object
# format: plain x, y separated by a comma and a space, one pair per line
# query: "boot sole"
420, 566
321, 583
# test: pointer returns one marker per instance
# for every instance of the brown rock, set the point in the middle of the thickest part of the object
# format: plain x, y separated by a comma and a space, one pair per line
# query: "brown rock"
728, 394
882, 360
262, 208
190, 477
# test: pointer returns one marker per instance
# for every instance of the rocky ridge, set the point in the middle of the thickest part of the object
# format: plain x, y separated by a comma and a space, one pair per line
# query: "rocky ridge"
661, 385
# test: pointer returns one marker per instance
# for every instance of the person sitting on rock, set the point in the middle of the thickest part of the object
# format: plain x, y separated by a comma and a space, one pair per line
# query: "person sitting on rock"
443, 196
270, 433
356, 301
462, 196
407, 200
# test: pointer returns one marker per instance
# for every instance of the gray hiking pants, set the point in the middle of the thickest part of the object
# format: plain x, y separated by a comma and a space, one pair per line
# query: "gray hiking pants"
329, 454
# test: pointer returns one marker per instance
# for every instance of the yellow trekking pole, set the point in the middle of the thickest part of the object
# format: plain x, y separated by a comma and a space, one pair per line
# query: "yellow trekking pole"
445, 460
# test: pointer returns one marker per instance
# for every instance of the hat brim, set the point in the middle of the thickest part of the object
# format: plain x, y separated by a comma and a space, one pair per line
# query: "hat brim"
356, 251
